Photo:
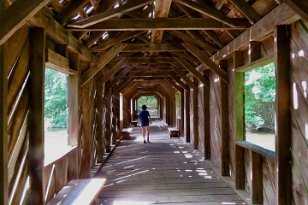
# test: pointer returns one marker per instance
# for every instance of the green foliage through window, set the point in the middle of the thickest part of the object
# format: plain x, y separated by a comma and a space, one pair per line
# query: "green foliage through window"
260, 91
55, 106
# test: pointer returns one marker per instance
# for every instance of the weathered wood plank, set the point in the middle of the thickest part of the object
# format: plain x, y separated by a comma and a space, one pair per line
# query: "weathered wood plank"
3, 130
195, 114
71, 9
100, 63
157, 24
207, 61
282, 14
212, 12
187, 116
246, 10
16, 15
257, 178
58, 62
191, 69
239, 167
283, 122
299, 6
36, 122
185, 78
111, 13
225, 139
56, 31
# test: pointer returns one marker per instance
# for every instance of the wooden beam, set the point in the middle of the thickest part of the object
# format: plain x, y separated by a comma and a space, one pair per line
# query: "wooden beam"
140, 47
177, 80
55, 31
122, 37
257, 178
185, 78
111, 13
151, 60
239, 167
73, 102
71, 9
16, 15
207, 117
299, 6
283, 123
212, 12
36, 123
100, 63
246, 10
195, 115
58, 62
282, 14
157, 24
225, 139
162, 8
4, 188
191, 69
205, 60
189, 39
108, 74
187, 116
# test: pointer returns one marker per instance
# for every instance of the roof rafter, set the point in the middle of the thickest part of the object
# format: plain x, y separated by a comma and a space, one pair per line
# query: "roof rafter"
211, 12
97, 18
21, 11
158, 24
207, 61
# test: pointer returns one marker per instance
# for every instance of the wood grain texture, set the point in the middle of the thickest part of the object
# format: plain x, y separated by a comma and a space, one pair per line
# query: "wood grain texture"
283, 122
36, 123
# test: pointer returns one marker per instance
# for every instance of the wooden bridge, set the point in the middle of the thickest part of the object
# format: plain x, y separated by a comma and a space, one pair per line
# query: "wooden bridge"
195, 58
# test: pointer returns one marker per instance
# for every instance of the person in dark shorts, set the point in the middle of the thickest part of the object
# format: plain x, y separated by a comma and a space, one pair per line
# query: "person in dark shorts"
144, 121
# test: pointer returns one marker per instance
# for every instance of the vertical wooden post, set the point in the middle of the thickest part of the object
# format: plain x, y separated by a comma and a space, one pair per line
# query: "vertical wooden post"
225, 141
36, 122
283, 126
99, 128
195, 115
187, 115
207, 118
239, 167
238, 96
3, 131
108, 120
73, 109
257, 179
239, 121
182, 113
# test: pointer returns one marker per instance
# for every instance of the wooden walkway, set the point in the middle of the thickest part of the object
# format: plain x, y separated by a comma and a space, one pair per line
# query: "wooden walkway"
165, 171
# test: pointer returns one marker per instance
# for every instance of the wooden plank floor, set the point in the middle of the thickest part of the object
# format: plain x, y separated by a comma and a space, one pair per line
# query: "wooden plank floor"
165, 171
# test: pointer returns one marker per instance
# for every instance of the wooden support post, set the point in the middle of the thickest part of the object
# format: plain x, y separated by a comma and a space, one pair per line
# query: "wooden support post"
257, 178
207, 118
182, 113
187, 115
283, 122
108, 120
239, 121
3, 130
195, 115
239, 167
36, 122
225, 141
73, 108
99, 128
239, 96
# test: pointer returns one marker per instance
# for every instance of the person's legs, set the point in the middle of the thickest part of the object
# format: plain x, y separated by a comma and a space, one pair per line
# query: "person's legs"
148, 133
143, 133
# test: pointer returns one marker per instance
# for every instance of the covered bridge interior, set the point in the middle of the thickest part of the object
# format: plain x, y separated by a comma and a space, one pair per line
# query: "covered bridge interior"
192, 56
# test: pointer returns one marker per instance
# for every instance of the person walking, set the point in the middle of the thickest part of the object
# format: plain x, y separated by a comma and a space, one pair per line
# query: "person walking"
144, 121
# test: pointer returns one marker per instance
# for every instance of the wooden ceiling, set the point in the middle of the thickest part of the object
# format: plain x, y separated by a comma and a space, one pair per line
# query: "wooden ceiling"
156, 39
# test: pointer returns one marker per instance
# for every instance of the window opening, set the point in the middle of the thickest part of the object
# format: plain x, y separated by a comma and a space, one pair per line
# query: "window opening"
151, 102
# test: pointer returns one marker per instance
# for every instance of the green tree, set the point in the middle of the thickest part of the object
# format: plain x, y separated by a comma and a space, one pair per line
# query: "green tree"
151, 102
260, 91
55, 108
